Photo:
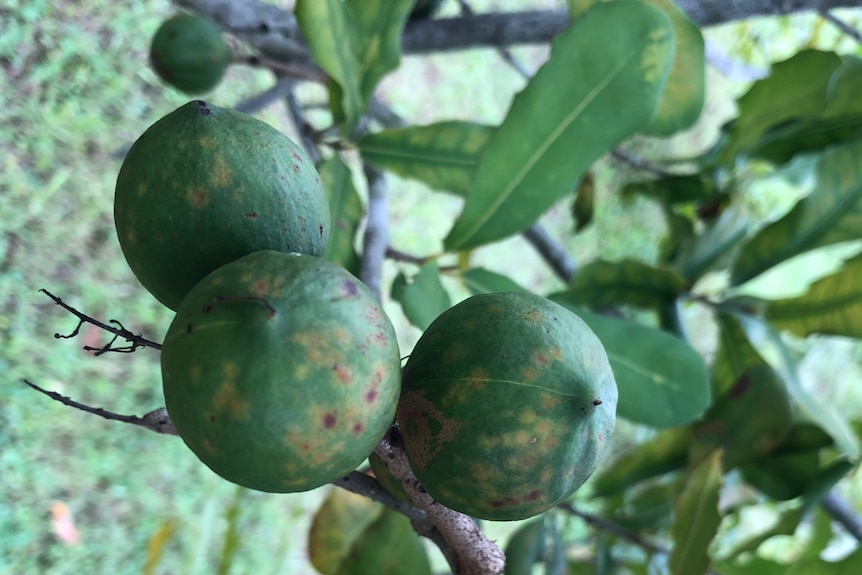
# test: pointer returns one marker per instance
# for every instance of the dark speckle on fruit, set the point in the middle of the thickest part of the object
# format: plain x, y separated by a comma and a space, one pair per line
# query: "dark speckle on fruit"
533, 495
203, 108
358, 427
329, 420
250, 215
350, 288
597, 402
371, 396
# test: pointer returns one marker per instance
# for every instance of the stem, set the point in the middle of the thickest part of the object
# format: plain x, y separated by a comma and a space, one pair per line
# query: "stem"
376, 238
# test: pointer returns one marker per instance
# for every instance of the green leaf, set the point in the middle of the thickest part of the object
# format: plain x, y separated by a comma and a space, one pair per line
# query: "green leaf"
525, 548
754, 566
423, 298
830, 214
346, 209
673, 190
666, 452
377, 27
683, 97
389, 546
785, 524
648, 508
795, 88
697, 518
583, 205
326, 26
823, 414
850, 565
717, 242
595, 90
832, 305
841, 119
336, 526
662, 381
232, 535
750, 420
782, 476
735, 354
602, 283
443, 156
480, 280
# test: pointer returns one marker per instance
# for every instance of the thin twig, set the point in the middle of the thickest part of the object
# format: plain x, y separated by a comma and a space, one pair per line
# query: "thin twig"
552, 252
502, 50
135, 339
303, 126
300, 71
614, 529
640, 163
376, 238
156, 420
841, 25
841, 511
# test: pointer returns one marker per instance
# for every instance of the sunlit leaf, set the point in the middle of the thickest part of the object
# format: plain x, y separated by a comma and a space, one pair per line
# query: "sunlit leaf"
388, 546
602, 283
697, 518
525, 548
750, 420
443, 156
377, 27
795, 88
480, 280
832, 305
830, 214
683, 97
232, 535
157, 544
346, 209
753, 566
336, 526
327, 27
662, 381
422, 297
595, 90
666, 452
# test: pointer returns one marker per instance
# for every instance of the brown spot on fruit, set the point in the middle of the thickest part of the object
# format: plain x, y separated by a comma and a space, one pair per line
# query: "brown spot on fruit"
533, 495
358, 427
371, 395
250, 215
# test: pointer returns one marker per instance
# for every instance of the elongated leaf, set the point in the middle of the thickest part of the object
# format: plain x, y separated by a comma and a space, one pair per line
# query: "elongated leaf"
749, 421
595, 90
662, 381
389, 546
232, 536
682, 100
156, 546
650, 507
442, 156
696, 519
795, 88
377, 27
326, 26
525, 548
665, 452
785, 524
717, 243
754, 566
337, 524
424, 297
735, 355
480, 280
832, 213
347, 211
675, 190
823, 414
832, 305
602, 283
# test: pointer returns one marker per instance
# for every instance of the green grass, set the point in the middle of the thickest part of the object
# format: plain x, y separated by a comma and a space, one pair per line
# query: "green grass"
75, 88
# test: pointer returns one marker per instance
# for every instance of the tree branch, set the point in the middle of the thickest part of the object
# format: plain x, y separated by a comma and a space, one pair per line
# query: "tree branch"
552, 252
472, 552
376, 238
275, 33
842, 512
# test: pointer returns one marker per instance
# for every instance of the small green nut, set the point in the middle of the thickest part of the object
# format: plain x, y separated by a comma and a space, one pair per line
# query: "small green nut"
281, 372
508, 403
189, 53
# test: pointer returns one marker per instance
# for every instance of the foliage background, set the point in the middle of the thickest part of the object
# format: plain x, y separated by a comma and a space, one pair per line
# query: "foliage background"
75, 88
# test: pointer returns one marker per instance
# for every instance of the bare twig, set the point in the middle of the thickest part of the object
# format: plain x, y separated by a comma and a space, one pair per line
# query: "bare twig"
376, 238
602, 524
842, 512
505, 53
552, 252
472, 553
156, 420
301, 71
841, 25
303, 127
263, 99
135, 340
640, 163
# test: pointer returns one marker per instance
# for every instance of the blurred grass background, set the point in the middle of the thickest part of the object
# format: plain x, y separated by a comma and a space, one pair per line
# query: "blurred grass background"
76, 87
